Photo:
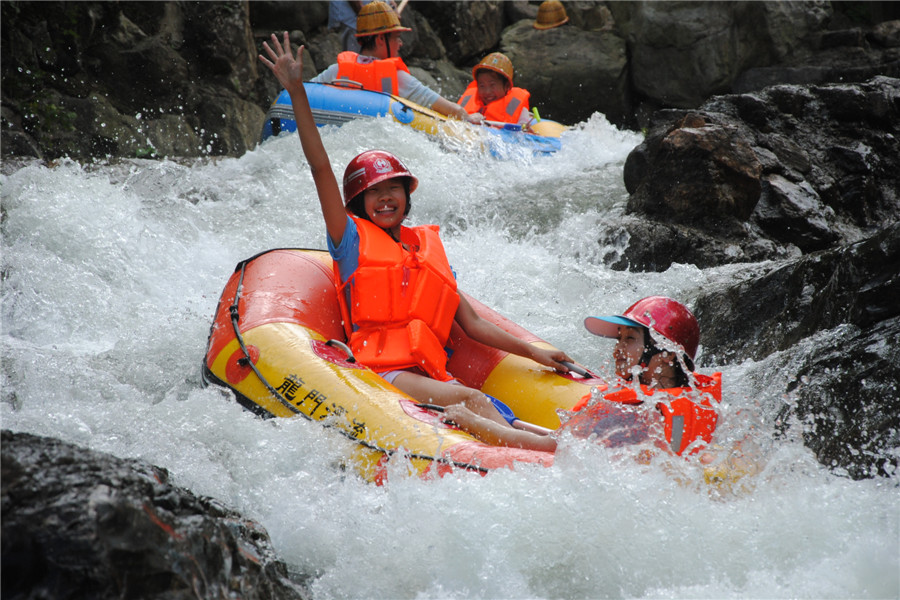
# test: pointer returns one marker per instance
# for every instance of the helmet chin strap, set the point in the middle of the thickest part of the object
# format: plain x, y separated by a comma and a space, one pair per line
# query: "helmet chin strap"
650, 350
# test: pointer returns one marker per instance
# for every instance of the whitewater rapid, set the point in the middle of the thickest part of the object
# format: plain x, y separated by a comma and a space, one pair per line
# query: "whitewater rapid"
111, 274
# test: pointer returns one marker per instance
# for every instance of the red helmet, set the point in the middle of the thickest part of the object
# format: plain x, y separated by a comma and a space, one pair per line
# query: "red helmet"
665, 317
370, 168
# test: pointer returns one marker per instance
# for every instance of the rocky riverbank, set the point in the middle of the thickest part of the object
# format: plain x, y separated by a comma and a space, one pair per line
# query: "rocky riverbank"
93, 80
82, 524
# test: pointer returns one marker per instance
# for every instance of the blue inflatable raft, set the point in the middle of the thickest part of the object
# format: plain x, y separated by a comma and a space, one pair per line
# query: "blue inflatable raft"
335, 105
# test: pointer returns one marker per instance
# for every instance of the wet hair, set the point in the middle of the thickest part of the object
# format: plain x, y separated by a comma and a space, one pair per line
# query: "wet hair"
367, 42
357, 204
651, 350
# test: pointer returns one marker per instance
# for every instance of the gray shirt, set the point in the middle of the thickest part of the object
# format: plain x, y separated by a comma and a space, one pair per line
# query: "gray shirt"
407, 86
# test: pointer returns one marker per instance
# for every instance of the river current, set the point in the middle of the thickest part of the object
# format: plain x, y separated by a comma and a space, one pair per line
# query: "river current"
111, 274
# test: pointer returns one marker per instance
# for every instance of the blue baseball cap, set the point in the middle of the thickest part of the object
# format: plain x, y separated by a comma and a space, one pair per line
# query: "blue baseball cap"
609, 326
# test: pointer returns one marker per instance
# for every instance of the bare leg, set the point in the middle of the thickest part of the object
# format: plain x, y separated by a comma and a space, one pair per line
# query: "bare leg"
431, 391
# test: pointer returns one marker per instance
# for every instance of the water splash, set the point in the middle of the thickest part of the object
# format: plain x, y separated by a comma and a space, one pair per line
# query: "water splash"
111, 274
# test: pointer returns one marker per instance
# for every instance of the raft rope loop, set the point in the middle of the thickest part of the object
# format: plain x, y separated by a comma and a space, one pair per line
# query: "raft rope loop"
234, 311
247, 361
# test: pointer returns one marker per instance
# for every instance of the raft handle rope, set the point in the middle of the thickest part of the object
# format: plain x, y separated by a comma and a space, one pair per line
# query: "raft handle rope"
234, 311
347, 83
578, 369
344, 347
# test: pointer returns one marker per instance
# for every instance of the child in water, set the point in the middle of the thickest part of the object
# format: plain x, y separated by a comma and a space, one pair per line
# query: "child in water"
656, 342
492, 94
396, 287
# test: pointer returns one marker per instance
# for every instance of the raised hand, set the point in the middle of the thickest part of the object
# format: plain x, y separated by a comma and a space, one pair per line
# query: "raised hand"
287, 68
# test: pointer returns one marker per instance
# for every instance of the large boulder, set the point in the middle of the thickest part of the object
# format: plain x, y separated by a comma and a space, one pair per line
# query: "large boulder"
81, 524
570, 72
468, 29
766, 175
698, 170
845, 55
423, 42
684, 52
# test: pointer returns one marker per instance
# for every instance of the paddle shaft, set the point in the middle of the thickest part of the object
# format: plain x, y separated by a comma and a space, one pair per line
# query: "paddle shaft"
502, 125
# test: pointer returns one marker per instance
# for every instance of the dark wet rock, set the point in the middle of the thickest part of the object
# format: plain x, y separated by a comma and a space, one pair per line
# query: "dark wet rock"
846, 400
641, 244
152, 79
794, 169
857, 284
566, 89
274, 17
854, 54
469, 30
846, 392
109, 79
707, 44
696, 171
82, 524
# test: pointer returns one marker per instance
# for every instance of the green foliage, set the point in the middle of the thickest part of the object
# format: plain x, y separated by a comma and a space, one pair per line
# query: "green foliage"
145, 152
41, 114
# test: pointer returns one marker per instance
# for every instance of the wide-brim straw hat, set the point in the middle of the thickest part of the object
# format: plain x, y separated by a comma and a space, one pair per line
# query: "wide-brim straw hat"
551, 13
376, 18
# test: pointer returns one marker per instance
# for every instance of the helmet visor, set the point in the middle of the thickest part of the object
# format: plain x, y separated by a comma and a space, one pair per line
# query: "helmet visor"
608, 326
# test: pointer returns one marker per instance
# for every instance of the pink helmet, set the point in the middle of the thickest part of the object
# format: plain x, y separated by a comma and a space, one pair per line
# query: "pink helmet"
371, 167
663, 316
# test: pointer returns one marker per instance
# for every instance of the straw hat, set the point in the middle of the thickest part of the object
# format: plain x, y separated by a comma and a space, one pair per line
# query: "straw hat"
376, 18
551, 14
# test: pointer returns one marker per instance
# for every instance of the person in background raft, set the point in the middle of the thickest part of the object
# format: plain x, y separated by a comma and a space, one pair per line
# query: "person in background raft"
656, 342
378, 66
551, 13
491, 93
342, 18
396, 290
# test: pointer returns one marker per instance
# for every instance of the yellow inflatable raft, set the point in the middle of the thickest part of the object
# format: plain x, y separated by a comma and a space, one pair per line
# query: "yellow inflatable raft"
277, 342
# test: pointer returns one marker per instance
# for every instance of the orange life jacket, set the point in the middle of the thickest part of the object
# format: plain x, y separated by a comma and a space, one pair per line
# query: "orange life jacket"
687, 417
378, 75
507, 109
403, 300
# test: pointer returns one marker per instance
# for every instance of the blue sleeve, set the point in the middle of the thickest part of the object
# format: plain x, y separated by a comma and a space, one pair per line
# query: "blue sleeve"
346, 253
340, 13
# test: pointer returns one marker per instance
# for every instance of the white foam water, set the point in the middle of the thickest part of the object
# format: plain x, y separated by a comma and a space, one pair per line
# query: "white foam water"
111, 274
